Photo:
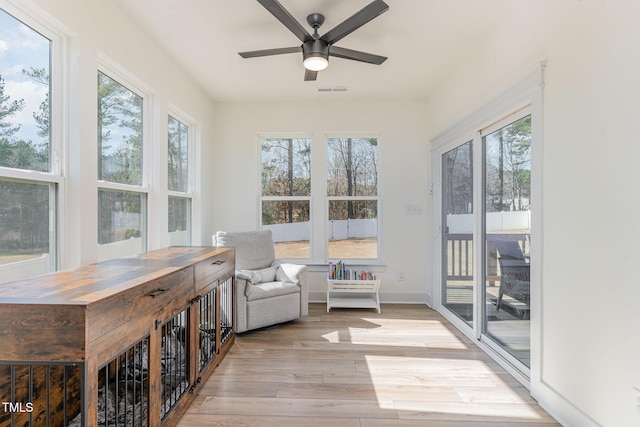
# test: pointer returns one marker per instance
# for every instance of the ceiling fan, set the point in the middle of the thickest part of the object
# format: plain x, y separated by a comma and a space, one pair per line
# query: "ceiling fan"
316, 49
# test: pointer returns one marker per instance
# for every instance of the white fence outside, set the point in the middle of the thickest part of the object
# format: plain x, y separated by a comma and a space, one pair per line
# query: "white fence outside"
338, 230
496, 221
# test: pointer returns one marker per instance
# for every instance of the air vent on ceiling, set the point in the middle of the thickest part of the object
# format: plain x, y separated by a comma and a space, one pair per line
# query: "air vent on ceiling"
332, 89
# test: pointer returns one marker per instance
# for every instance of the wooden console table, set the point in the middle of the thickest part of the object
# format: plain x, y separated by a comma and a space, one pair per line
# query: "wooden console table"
126, 342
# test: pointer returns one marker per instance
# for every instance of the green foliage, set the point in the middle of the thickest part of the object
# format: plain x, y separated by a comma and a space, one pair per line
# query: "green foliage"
286, 167
119, 215
284, 211
40, 75
509, 167
286, 172
178, 155
24, 217
8, 109
458, 182
353, 167
119, 112
17, 153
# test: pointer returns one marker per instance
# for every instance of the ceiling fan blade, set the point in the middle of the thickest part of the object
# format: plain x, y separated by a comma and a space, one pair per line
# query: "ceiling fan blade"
269, 52
366, 14
356, 55
285, 17
310, 75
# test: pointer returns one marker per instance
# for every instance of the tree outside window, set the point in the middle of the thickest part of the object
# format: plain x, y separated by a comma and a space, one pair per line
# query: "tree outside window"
119, 133
121, 204
27, 211
352, 190
179, 190
285, 194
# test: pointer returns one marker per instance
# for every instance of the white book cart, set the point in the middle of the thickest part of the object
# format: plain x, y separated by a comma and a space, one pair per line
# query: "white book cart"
353, 294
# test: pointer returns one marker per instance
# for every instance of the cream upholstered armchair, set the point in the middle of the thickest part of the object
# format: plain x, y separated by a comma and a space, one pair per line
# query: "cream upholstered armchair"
268, 291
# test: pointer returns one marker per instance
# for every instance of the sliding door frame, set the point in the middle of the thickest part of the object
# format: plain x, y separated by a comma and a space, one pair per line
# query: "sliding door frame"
524, 93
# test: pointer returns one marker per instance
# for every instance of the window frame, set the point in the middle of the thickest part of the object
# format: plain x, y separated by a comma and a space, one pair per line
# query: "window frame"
119, 249
309, 198
54, 177
183, 118
377, 198
524, 94
318, 199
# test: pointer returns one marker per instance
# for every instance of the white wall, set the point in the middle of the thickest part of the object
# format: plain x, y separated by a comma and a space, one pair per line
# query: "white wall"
101, 29
403, 147
589, 348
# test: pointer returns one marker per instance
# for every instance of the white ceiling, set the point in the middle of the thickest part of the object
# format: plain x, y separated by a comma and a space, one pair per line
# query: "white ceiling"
424, 40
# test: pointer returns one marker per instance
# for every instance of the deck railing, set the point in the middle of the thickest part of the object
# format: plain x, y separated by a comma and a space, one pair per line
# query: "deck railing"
460, 254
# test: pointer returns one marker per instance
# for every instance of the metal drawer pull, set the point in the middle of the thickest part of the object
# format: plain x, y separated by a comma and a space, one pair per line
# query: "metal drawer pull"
156, 293
219, 262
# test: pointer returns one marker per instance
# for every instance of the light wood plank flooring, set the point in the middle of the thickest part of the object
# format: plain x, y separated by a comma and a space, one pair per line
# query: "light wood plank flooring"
406, 367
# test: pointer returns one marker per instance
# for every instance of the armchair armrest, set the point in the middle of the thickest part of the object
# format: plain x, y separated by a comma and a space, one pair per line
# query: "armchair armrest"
295, 273
291, 273
240, 312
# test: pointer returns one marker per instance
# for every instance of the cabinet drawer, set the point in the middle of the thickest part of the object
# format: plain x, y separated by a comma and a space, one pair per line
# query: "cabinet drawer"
213, 268
141, 304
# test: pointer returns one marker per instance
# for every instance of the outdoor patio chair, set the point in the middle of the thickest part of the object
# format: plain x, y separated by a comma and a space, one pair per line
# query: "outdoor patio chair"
514, 276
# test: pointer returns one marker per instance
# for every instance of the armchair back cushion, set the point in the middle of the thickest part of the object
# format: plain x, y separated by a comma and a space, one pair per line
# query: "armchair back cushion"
254, 249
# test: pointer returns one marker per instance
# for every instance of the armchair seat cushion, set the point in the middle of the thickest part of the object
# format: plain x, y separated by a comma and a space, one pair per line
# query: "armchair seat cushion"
270, 289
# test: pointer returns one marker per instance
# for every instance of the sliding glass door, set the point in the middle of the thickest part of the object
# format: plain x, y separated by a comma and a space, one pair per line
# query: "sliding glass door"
491, 297
507, 232
457, 236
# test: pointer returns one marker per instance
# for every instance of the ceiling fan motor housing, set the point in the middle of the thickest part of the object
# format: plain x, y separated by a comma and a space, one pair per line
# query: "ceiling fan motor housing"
315, 48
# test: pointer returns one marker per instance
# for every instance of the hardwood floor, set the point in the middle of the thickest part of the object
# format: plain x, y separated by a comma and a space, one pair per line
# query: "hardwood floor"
406, 367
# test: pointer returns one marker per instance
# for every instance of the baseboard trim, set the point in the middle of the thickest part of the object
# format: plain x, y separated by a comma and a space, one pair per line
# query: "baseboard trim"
386, 297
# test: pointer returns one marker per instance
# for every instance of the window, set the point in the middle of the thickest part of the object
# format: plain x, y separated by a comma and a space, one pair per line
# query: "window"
179, 184
120, 215
29, 178
119, 133
352, 190
348, 207
286, 194
121, 201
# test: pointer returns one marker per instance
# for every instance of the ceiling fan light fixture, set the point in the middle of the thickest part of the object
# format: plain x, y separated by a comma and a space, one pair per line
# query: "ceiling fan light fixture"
315, 63
316, 55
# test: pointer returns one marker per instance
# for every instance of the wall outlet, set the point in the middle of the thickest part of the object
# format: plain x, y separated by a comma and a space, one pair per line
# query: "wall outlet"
400, 276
